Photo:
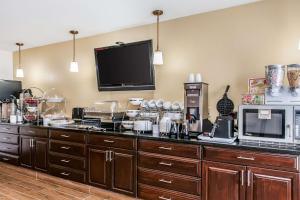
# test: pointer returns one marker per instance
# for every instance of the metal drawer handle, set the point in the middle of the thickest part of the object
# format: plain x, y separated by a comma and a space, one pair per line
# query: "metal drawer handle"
67, 148
5, 159
166, 148
165, 181
6, 129
65, 136
109, 141
5, 148
65, 161
245, 158
5, 138
31, 131
166, 164
164, 198
65, 174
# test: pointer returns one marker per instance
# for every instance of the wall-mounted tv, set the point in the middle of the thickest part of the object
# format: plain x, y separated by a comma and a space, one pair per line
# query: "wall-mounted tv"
125, 67
8, 88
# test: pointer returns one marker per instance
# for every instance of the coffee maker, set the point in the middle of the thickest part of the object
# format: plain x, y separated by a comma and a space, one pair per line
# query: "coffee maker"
196, 108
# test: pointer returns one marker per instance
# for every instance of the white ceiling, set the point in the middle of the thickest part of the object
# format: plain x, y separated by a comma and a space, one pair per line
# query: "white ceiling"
41, 22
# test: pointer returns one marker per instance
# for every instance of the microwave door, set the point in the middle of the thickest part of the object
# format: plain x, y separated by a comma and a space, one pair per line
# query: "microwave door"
273, 127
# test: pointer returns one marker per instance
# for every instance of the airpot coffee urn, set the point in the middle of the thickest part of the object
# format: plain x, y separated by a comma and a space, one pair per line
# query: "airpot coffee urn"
196, 108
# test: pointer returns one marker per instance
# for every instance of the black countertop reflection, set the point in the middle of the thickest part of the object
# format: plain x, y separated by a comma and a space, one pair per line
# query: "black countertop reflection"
282, 148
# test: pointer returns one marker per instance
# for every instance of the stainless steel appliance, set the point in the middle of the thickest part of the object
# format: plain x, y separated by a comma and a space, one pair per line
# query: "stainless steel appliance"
196, 107
271, 123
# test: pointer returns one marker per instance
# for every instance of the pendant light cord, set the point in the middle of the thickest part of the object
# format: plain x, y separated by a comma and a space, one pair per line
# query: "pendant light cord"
19, 56
73, 47
157, 29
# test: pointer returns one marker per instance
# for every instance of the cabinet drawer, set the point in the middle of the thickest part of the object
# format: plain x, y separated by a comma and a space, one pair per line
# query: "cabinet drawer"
170, 181
67, 148
9, 148
173, 164
70, 136
9, 129
67, 161
67, 173
243, 157
9, 158
169, 148
111, 141
9, 138
154, 193
34, 131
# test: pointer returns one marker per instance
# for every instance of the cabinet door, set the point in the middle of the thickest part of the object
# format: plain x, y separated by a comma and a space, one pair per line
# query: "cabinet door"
265, 184
99, 167
41, 154
223, 181
26, 155
123, 167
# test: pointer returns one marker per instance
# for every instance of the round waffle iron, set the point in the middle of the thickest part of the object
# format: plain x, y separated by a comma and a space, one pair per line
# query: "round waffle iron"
225, 105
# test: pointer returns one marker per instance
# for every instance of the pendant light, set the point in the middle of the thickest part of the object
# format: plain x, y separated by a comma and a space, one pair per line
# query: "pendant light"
158, 56
74, 64
19, 71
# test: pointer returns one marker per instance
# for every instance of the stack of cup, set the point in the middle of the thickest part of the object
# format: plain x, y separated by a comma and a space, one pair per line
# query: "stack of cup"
195, 78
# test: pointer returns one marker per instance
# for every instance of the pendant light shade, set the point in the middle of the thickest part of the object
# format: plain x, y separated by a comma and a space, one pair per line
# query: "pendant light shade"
19, 70
158, 55
74, 65
20, 73
158, 58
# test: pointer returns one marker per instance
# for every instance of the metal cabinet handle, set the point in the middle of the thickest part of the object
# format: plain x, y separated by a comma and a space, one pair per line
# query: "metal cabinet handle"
109, 141
6, 129
5, 159
165, 181
106, 155
164, 198
5, 138
166, 148
65, 174
31, 131
166, 164
245, 158
243, 174
65, 136
67, 148
5, 148
65, 161
111, 155
248, 178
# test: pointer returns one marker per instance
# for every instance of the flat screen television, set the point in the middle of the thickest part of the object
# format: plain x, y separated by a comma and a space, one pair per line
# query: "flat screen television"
125, 67
8, 88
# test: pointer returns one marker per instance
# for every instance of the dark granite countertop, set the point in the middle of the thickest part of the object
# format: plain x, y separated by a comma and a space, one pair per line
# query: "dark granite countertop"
239, 145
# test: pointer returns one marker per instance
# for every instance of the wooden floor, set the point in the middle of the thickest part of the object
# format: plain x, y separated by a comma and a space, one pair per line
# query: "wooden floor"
17, 183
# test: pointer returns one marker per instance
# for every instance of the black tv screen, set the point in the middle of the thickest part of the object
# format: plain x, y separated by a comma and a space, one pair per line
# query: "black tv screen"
125, 67
8, 88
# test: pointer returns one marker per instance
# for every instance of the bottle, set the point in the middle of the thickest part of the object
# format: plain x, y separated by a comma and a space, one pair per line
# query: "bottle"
174, 131
184, 134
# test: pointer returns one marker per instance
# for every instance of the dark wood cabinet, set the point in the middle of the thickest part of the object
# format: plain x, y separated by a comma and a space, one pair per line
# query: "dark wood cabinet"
112, 163
123, 171
113, 169
265, 184
223, 180
40, 151
26, 153
34, 153
99, 167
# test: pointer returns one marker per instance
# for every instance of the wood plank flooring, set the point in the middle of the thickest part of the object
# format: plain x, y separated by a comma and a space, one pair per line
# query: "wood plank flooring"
17, 183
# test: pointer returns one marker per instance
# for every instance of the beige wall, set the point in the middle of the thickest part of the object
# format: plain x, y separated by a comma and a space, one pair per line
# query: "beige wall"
226, 47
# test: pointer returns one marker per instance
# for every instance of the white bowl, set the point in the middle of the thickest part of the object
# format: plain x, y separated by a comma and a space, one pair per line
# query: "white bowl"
144, 104
152, 104
159, 103
136, 101
132, 113
167, 105
175, 106
127, 124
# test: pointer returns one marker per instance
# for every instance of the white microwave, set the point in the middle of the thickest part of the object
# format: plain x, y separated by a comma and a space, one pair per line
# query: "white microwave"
269, 123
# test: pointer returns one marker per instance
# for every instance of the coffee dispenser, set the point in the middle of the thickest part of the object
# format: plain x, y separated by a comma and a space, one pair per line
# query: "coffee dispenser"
196, 108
